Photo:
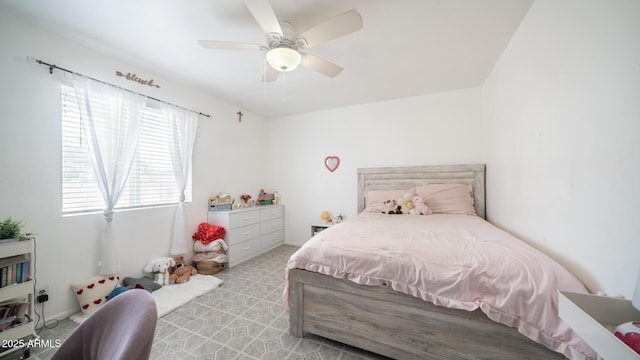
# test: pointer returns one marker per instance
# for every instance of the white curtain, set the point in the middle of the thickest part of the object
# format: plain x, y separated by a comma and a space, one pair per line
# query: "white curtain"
182, 126
111, 119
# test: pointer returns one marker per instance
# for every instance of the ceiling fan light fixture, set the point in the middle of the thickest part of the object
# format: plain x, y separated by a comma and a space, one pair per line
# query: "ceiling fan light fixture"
284, 58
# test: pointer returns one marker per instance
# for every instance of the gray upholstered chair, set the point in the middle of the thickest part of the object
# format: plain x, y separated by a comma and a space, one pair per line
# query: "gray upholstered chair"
123, 328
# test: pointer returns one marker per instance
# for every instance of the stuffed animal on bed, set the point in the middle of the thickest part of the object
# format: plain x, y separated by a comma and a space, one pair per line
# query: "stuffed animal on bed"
420, 207
182, 272
391, 207
406, 205
160, 269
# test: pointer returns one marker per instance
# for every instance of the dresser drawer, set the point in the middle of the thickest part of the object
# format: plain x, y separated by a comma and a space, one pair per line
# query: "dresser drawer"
244, 233
270, 212
271, 226
272, 240
242, 218
243, 251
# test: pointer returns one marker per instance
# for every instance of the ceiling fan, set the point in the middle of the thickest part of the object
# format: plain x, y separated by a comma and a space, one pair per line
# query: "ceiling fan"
284, 43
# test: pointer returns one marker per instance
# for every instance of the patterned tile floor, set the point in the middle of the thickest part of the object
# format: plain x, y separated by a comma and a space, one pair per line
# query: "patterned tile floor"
242, 319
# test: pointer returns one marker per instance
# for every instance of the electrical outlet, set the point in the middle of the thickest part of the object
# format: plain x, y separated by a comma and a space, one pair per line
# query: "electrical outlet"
42, 290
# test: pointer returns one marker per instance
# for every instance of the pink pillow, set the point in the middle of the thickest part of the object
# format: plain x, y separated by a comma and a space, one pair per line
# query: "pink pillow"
453, 198
374, 199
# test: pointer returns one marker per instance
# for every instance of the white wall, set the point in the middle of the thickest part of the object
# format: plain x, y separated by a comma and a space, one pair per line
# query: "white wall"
226, 158
431, 129
562, 119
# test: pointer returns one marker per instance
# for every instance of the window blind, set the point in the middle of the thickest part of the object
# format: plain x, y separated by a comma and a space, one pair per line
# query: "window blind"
151, 181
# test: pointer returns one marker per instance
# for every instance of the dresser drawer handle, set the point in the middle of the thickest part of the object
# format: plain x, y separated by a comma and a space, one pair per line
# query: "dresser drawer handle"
246, 248
246, 233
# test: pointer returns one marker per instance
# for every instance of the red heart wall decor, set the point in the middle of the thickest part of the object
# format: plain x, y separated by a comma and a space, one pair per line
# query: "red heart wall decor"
332, 163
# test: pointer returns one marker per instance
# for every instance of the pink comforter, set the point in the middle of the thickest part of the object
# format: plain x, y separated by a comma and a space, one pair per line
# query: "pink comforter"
456, 261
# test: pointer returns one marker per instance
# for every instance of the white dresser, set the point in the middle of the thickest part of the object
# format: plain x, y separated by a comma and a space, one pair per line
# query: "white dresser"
250, 231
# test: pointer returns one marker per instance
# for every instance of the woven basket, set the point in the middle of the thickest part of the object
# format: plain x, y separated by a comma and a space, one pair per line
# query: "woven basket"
209, 267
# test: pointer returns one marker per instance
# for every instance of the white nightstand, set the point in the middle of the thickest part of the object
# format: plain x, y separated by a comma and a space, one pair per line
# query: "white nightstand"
316, 228
590, 315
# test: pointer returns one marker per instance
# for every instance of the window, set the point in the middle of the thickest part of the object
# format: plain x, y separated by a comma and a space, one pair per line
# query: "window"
151, 181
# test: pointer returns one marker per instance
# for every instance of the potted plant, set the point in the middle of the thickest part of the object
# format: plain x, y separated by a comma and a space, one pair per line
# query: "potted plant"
10, 230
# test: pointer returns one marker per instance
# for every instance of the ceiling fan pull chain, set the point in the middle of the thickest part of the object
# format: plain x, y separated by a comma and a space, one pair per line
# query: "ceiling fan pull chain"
264, 77
284, 86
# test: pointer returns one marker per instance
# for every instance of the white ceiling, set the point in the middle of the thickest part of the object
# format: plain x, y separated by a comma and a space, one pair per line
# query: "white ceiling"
406, 48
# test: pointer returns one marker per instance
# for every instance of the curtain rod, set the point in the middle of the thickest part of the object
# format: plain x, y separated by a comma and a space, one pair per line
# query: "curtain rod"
52, 66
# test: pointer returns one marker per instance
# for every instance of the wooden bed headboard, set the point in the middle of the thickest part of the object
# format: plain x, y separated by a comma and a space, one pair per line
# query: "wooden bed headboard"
398, 178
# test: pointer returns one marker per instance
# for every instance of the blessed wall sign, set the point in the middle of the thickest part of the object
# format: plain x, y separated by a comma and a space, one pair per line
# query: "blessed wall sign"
134, 77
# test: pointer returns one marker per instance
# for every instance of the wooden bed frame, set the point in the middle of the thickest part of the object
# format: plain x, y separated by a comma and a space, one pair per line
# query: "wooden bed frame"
383, 321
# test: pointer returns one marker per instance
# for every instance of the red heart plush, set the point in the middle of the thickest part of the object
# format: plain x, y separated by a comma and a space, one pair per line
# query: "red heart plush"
91, 286
97, 301
85, 306
102, 281
79, 292
111, 277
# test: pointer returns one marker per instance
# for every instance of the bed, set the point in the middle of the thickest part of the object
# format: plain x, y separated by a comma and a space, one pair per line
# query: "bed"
342, 283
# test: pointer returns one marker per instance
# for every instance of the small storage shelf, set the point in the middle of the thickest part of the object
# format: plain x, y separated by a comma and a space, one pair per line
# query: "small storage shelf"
17, 255
16, 291
17, 332
590, 316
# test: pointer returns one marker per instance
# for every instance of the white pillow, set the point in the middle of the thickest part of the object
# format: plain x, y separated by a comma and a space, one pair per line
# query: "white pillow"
93, 292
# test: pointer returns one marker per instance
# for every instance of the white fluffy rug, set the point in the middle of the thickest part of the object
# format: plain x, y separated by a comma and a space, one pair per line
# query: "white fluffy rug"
170, 297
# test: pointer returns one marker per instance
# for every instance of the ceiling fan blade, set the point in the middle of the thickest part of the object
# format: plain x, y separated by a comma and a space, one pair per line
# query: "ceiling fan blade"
264, 15
320, 65
230, 45
335, 27
270, 74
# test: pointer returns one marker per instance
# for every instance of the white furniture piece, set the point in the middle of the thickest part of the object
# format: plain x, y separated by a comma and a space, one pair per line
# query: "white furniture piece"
250, 231
592, 317
12, 253
316, 228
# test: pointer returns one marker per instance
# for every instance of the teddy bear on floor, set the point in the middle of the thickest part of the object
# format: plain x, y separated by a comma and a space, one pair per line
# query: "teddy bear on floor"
160, 268
182, 272
419, 206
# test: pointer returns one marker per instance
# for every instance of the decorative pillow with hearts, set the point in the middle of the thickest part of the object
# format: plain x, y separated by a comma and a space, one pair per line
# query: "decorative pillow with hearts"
93, 292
